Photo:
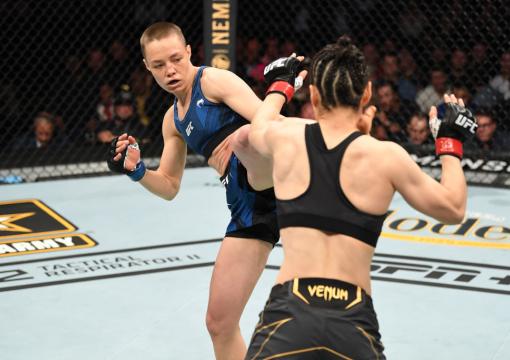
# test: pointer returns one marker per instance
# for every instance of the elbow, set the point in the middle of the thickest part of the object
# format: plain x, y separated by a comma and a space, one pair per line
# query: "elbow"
171, 191
454, 216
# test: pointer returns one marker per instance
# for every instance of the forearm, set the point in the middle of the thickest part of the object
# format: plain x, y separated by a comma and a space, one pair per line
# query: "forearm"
267, 112
454, 182
160, 184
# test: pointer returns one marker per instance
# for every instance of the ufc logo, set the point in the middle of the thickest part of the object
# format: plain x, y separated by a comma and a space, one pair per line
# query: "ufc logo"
466, 123
274, 64
189, 128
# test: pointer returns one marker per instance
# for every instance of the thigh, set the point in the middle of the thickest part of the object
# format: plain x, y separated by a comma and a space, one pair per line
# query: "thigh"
238, 266
259, 168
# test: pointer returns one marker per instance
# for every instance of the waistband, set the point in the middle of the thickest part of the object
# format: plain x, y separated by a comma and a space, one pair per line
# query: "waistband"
219, 136
321, 292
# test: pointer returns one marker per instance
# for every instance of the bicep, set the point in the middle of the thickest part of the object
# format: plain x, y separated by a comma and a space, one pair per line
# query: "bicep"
228, 88
173, 157
420, 190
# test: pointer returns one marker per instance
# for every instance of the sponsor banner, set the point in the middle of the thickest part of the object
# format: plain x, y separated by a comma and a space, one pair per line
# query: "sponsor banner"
45, 244
493, 170
477, 229
62, 270
220, 18
105, 265
22, 218
441, 273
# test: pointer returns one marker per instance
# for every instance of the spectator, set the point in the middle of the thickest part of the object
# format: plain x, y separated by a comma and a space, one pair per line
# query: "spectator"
43, 135
393, 112
391, 73
418, 132
409, 69
480, 66
458, 68
104, 108
125, 119
141, 85
432, 95
488, 138
460, 91
271, 51
288, 47
252, 65
371, 55
95, 73
119, 65
501, 82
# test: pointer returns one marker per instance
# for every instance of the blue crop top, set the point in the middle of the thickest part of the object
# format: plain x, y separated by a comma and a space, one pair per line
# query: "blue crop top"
206, 124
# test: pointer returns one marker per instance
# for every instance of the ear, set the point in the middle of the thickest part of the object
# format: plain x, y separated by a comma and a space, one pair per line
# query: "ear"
315, 96
146, 65
188, 50
367, 95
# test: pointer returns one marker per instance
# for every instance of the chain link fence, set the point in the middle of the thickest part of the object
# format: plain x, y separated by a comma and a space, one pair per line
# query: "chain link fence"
70, 70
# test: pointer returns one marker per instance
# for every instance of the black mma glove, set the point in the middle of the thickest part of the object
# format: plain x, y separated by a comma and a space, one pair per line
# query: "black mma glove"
281, 76
130, 155
450, 133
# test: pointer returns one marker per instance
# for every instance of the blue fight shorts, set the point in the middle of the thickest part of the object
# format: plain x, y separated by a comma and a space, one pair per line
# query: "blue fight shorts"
253, 213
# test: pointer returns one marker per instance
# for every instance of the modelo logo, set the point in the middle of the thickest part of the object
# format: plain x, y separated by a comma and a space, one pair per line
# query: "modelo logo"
468, 233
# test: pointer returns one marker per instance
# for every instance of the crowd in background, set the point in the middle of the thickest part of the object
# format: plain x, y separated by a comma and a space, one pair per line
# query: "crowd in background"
106, 92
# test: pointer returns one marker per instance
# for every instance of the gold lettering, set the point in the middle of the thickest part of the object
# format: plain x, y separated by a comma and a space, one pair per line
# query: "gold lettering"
221, 25
485, 231
220, 38
320, 291
462, 229
397, 224
221, 11
328, 292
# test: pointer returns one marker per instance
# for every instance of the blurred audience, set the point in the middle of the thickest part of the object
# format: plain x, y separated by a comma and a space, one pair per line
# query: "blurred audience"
432, 94
486, 136
83, 94
418, 131
43, 135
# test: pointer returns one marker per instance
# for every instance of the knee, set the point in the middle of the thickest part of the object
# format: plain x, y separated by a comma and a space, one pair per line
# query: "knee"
220, 325
240, 140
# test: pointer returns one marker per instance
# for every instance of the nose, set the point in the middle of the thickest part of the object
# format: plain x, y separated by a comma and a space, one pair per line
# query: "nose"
170, 70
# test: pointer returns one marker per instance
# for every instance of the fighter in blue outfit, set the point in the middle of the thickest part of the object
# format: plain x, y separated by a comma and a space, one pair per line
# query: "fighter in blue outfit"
211, 114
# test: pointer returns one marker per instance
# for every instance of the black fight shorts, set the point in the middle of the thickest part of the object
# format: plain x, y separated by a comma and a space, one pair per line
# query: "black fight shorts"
314, 318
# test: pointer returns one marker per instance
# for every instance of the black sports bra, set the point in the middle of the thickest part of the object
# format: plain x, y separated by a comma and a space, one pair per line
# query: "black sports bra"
324, 205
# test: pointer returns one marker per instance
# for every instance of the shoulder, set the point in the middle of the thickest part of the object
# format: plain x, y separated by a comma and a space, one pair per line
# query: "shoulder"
379, 153
288, 127
212, 74
168, 122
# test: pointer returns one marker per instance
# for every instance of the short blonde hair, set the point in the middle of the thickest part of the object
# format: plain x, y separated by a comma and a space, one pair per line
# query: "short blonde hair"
159, 31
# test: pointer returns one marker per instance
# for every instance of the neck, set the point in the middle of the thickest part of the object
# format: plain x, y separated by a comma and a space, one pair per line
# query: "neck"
341, 119
185, 94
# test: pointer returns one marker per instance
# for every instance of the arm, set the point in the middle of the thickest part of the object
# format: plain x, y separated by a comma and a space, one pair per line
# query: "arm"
281, 75
223, 86
444, 201
263, 126
166, 180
